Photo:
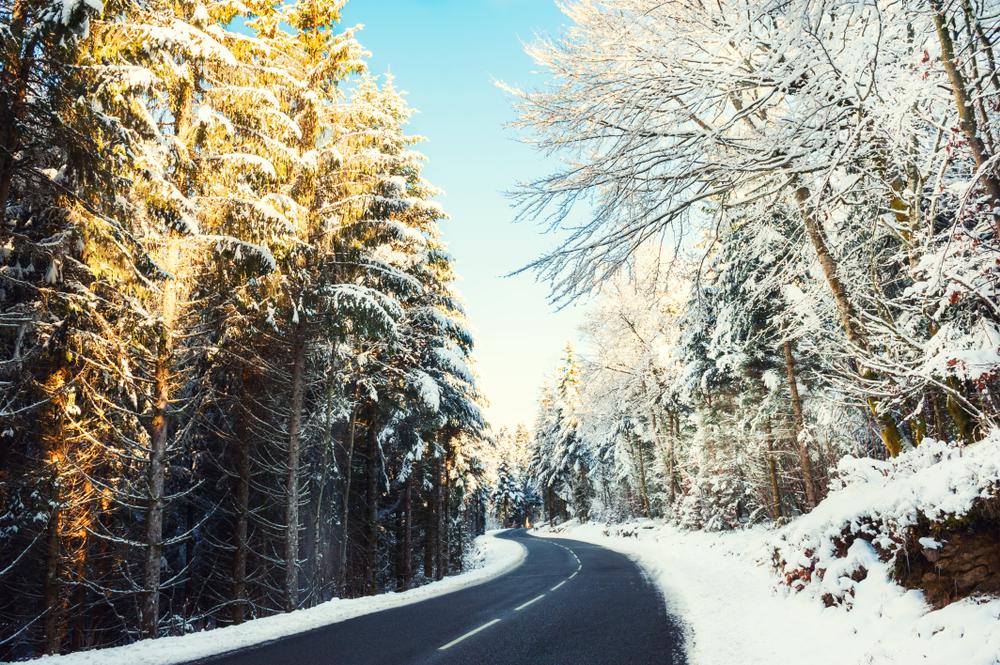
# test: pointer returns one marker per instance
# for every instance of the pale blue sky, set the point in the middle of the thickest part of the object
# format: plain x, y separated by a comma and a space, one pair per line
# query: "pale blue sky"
446, 54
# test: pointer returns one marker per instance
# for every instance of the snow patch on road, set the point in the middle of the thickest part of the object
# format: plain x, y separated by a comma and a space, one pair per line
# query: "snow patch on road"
722, 586
493, 557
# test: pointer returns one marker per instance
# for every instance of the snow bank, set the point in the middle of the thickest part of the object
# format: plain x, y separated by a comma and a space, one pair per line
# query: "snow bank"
493, 558
721, 586
860, 530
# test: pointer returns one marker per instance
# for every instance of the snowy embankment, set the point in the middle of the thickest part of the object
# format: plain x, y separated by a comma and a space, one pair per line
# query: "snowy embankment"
737, 608
722, 588
493, 558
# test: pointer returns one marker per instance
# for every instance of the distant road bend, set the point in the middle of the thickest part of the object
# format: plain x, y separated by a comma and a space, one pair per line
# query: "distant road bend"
569, 603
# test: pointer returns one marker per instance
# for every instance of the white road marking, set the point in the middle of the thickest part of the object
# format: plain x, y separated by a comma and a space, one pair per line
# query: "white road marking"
470, 633
559, 585
579, 566
533, 600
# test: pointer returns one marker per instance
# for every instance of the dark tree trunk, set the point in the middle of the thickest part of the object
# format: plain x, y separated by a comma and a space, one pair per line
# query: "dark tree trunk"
444, 565
13, 106
430, 515
291, 582
53, 625
371, 475
407, 563
319, 544
346, 501
439, 512
772, 472
242, 522
798, 429
159, 435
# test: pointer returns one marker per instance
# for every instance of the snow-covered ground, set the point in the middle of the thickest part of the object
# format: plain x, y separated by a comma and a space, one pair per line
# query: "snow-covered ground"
494, 557
722, 588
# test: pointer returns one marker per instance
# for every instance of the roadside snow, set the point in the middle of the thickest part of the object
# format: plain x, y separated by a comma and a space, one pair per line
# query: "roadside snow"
881, 500
494, 557
721, 586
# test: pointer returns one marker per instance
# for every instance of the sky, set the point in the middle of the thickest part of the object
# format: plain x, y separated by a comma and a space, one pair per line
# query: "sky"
447, 55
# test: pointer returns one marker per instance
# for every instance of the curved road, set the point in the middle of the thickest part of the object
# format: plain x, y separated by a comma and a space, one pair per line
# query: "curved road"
569, 603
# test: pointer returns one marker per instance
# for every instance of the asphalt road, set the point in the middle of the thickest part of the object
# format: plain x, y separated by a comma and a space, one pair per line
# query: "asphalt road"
569, 603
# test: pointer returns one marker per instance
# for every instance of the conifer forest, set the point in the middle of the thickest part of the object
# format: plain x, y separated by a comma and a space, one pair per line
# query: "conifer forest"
240, 385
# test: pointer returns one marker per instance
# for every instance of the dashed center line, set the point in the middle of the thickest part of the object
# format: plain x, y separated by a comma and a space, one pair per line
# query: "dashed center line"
486, 625
533, 600
471, 633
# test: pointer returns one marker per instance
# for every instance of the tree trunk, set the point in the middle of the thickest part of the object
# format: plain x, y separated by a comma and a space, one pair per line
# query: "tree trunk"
291, 586
675, 431
666, 448
242, 524
889, 432
798, 423
346, 501
55, 445
959, 416
772, 472
371, 542
444, 491
430, 514
963, 104
643, 490
78, 642
159, 435
319, 548
15, 75
53, 584
408, 532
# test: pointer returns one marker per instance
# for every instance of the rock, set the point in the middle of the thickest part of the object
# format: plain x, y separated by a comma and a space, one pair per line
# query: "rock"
969, 580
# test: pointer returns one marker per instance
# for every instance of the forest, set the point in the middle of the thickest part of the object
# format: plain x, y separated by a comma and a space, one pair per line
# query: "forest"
234, 372
789, 256
237, 379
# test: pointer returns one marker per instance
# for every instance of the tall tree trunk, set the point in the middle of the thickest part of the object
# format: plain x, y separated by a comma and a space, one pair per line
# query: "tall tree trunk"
430, 514
889, 432
799, 427
439, 510
444, 494
346, 501
772, 472
159, 435
291, 585
15, 74
53, 420
78, 641
408, 532
242, 523
667, 449
817, 237
675, 431
319, 547
54, 618
371, 474
963, 103
643, 490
